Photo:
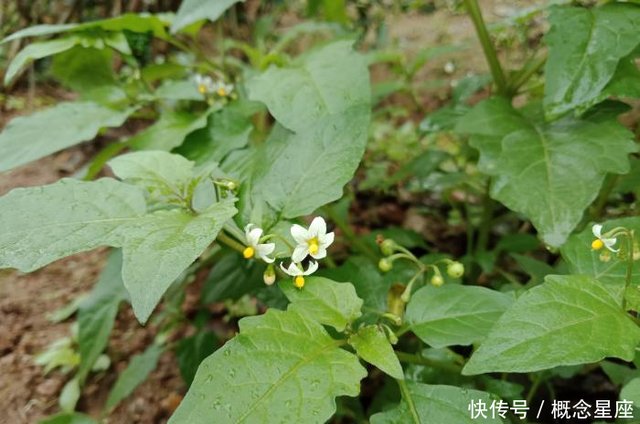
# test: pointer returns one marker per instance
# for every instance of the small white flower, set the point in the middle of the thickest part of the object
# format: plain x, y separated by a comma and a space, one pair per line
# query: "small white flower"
600, 241
222, 89
296, 270
313, 241
254, 247
204, 84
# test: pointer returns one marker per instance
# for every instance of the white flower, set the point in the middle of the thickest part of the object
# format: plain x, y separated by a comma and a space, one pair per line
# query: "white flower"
204, 84
313, 241
296, 270
600, 241
254, 247
222, 89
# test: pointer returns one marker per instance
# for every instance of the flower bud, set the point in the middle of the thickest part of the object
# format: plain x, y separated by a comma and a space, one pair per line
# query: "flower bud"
385, 265
269, 276
455, 269
437, 280
387, 247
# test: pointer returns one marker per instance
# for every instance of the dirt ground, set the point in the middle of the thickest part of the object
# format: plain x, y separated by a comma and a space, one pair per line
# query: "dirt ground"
26, 394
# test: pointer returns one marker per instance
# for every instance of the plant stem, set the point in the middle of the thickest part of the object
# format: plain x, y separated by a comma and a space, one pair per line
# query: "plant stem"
487, 46
225, 239
404, 390
526, 73
533, 389
629, 275
421, 360
485, 223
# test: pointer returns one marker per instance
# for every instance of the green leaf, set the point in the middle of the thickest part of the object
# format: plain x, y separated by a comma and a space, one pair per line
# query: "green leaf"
603, 266
231, 278
436, 404
70, 395
84, 69
32, 137
163, 244
136, 372
36, 51
631, 391
455, 314
191, 11
97, 314
169, 131
324, 301
42, 224
282, 367
161, 173
327, 81
568, 320
372, 345
585, 47
550, 172
73, 418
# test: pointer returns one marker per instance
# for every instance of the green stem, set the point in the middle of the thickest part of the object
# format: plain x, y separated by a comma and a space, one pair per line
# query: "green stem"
529, 70
404, 390
487, 46
102, 158
533, 389
421, 360
608, 186
225, 239
629, 273
485, 223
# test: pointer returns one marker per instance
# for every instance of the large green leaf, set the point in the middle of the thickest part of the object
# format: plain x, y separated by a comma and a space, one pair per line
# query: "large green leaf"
585, 47
327, 81
136, 372
42, 224
36, 51
568, 320
609, 270
372, 345
455, 314
32, 137
84, 69
191, 11
97, 314
282, 367
324, 301
436, 404
548, 171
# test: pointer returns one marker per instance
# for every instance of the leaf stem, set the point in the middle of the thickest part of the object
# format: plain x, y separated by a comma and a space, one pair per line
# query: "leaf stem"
232, 243
629, 274
406, 395
485, 223
487, 46
421, 360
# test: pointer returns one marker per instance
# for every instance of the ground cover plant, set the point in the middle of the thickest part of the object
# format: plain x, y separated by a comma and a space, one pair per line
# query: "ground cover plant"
320, 227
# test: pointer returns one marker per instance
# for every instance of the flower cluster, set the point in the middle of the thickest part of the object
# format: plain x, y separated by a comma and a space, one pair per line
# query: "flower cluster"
206, 86
312, 241
601, 240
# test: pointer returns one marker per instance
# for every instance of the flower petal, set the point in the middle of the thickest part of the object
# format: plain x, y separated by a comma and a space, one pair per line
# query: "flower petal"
300, 252
318, 227
299, 233
321, 253
313, 267
597, 230
254, 236
293, 269
326, 240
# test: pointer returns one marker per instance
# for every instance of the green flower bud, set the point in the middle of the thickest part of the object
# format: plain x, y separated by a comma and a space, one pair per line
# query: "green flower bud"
269, 276
455, 269
385, 265
437, 280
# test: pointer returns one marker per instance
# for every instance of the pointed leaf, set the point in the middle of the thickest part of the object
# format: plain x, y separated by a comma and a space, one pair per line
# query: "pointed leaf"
32, 137
192, 11
436, 404
42, 224
372, 345
169, 131
324, 301
455, 314
568, 320
585, 47
559, 165
282, 367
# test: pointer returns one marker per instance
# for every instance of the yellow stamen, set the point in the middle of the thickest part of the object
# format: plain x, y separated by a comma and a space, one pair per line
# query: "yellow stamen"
597, 244
299, 281
314, 246
202, 88
248, 252
222, 92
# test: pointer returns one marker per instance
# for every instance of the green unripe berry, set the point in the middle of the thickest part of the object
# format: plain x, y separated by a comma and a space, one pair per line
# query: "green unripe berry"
385, 265
387, 247
437, 280
455, 270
